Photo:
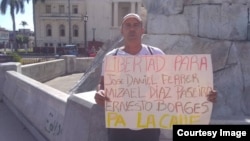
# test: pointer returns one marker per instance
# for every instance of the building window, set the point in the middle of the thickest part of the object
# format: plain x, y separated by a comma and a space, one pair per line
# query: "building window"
136, 7
62, 30
51, 45
74, 9
48, 9
124, 8
75, 31
59, 45
119, 10
61, 9
48, 30
46, 44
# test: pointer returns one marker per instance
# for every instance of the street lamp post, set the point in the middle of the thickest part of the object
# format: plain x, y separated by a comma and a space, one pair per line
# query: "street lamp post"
93, 34
69, 20
85, 19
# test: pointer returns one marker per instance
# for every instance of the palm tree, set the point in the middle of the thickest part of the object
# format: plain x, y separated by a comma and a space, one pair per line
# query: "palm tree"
16, 6
23, 23
34, 18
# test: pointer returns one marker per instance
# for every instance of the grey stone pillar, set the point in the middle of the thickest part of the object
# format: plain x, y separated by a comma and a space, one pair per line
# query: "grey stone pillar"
70, 63
7, 67
83, 120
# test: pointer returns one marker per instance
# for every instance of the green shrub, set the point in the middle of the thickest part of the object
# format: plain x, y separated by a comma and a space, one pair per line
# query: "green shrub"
16, 57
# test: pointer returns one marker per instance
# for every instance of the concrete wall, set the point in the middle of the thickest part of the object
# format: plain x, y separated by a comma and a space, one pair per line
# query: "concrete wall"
86, 118
45, 71
48, 70
3, 68
40, 107
82, 64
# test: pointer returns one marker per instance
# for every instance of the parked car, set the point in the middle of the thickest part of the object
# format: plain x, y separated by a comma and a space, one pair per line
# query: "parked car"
68, 50
2, 54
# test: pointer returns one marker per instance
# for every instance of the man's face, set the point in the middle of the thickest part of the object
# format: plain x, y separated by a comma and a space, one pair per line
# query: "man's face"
132, 29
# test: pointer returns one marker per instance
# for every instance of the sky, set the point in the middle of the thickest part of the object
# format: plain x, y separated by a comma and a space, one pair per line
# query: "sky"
27, 16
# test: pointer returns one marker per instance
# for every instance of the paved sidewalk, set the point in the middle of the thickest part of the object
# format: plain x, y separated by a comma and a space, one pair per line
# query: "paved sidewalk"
11, 129
65, 83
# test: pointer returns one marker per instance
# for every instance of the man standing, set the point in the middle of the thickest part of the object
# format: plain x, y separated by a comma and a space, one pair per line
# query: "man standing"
132, 31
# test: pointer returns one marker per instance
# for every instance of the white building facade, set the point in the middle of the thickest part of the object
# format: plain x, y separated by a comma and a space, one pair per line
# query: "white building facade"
54, 28
4, 36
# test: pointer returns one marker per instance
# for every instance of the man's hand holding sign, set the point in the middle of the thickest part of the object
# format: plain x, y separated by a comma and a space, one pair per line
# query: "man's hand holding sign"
157, 91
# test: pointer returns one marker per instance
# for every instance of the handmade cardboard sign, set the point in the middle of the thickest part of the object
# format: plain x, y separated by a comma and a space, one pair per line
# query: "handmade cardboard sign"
157, 91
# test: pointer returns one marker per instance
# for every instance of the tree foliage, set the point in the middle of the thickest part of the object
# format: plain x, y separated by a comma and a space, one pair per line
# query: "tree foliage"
16, 6
22, 39
23, 23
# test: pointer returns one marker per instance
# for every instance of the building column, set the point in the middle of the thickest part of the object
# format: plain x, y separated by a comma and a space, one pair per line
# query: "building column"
115, 14
139, 7
133, 7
